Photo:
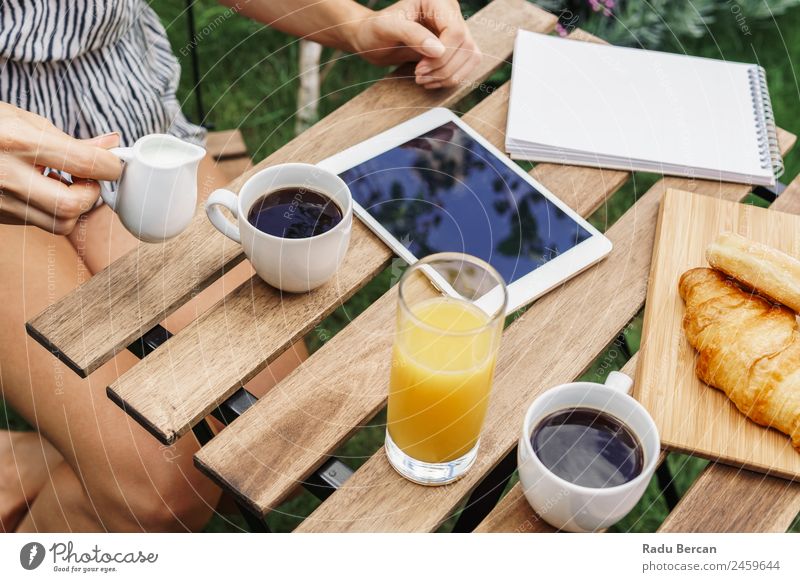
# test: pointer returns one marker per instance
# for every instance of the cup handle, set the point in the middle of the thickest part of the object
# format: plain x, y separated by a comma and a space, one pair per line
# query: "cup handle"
619, 381
110, 196
229, 200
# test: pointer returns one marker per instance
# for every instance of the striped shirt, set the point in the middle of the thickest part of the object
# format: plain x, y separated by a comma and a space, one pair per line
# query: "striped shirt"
92, 67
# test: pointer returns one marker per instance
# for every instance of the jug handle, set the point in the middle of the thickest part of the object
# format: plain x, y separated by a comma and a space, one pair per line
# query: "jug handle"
108, 195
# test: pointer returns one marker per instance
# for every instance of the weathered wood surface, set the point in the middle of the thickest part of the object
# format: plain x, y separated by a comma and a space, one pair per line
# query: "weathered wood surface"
234, 167
727, 499
191, 374
225, 144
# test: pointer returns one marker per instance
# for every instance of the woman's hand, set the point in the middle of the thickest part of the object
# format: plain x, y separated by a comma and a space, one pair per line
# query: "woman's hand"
432, 32
28, 144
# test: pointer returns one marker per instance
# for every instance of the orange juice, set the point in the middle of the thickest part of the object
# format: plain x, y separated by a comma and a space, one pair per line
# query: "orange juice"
442, 367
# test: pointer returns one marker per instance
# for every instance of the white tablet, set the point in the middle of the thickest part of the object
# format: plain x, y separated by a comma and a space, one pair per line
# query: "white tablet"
432, 184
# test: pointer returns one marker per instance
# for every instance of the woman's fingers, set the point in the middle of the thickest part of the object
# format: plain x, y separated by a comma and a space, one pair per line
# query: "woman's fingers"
9, 219
452, 71
391, 37
83, 158
459, 76
455, 71
29, 144
444, 18
444, 75
51, 196
452, 39
15, 211
416, 37
105, 141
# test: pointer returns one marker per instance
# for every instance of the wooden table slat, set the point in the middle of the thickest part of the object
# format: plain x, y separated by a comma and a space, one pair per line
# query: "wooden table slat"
105, 314
513, 514
191, 374
729, 499
232, 168
227, 143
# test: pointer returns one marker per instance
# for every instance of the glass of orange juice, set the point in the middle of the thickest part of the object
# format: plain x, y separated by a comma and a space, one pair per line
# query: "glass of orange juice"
443, 361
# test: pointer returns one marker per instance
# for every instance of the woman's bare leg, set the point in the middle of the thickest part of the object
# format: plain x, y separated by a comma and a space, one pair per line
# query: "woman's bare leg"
127, 480
26, 459
66, 505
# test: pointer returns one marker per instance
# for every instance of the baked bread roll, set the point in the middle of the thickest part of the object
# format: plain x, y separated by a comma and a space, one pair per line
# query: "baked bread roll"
747, 347
767, 270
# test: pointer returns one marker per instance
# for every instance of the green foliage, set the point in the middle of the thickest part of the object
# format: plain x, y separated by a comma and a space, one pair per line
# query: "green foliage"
657, 23
649, 24
762, 9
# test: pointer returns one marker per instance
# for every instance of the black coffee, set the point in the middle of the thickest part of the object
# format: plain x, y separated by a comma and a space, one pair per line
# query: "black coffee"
588, 447
294, 213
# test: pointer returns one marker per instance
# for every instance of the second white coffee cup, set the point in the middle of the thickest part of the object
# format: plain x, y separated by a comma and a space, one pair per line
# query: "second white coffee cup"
290, 264
575, 508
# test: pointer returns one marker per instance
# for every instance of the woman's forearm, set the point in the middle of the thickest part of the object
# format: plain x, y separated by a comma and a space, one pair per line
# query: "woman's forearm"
325, 21
431, 33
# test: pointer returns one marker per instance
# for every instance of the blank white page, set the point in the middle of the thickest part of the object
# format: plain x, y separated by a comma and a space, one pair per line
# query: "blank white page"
633, 104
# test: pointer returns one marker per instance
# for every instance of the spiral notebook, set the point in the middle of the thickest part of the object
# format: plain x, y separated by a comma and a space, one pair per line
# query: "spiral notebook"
589, 104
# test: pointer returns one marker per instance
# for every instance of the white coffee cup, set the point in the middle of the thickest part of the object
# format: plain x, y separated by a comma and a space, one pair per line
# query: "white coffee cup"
575, 508
290, 264
156, 195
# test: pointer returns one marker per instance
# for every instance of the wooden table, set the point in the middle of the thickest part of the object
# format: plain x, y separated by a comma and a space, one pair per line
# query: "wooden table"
283, 439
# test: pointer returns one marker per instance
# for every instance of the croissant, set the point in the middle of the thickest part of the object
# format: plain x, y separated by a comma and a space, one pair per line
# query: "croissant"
775, 274
747, 347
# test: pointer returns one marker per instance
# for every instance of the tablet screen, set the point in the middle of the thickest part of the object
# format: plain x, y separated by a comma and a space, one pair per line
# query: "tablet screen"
443, 191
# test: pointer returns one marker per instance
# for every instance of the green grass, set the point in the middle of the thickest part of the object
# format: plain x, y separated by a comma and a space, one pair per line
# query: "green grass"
249, 82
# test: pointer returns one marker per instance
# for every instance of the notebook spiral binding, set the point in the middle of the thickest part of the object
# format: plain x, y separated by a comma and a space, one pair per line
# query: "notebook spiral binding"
765, 122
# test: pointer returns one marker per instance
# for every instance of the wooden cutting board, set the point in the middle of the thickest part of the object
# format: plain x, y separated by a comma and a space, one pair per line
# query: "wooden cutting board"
691, 416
